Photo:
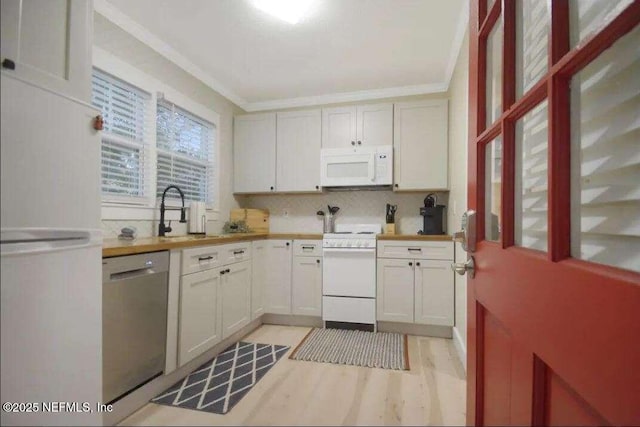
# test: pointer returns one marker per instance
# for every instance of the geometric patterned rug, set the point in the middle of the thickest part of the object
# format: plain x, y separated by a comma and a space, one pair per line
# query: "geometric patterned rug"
220, 383
351, 347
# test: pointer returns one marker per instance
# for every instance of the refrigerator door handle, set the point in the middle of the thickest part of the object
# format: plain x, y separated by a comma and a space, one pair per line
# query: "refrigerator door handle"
23, 241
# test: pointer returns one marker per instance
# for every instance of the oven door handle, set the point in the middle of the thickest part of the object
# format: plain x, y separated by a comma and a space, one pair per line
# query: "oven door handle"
349, 250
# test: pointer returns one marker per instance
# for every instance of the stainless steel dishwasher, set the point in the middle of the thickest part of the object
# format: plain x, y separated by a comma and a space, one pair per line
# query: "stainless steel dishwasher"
134, 321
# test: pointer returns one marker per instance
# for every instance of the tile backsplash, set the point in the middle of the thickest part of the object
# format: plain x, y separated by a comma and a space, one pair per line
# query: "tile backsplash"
297, 212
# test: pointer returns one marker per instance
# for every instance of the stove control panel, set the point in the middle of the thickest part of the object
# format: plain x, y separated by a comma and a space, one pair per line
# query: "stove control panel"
344, 243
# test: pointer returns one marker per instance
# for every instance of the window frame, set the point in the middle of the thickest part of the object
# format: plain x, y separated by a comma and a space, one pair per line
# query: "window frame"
122, 70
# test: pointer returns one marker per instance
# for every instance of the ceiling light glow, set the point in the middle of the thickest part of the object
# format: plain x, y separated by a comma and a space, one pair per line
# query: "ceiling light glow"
291, 11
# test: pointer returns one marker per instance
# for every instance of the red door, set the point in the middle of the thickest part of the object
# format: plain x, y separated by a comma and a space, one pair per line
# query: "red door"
554, 176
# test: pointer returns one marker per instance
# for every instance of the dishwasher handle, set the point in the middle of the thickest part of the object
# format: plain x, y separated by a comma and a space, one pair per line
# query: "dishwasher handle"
131, 274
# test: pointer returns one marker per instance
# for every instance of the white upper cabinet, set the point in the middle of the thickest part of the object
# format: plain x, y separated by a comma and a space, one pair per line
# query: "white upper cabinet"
374, 124
362, 125
338, 127
298, 151
254, 153
48, 43
421, 145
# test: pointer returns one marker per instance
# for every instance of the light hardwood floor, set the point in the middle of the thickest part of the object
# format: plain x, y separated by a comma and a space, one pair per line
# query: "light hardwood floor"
308, 393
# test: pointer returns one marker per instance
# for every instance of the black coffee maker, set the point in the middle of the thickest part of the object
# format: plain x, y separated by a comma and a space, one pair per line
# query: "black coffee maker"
433, 216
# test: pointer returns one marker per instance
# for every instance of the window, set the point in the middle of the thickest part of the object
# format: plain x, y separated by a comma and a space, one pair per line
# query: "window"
125, 138
185, 153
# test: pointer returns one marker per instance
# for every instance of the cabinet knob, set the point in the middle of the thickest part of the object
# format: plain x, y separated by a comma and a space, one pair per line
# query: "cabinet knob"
272, 188
8, 64
228, 270
396, 185
317, 261
359, 142
410, 264
222, 271
417, 264
317, 187
353, 143
288, 243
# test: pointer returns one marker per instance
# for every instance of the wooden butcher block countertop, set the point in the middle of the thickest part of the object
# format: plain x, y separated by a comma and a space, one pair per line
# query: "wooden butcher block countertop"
116, 247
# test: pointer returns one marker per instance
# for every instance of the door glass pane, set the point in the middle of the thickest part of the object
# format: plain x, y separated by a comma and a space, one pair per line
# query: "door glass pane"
494, 73
605, 186
589, 16
532, 38
492, 189
531, 179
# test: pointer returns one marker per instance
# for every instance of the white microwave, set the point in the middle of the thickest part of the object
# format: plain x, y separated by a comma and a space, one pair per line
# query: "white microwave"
361, 166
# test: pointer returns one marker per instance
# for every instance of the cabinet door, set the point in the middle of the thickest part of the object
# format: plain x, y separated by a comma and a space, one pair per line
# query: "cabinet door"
298, 151
200, 314
421, 145
307, 286
434, 293
277, 278
338, 127
236, 297
254, 153
50, 43
375, 125
395, 290
258, 270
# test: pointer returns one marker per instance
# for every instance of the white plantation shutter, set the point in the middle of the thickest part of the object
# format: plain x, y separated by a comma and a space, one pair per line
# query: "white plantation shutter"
125, 138
185, 146
606, 157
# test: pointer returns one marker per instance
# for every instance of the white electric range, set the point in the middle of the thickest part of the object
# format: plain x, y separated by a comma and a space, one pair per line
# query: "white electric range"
349, 274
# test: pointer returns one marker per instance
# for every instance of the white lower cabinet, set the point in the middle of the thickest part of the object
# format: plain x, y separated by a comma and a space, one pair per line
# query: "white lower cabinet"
434, 292
307, 286
215, 298
277, 277
258, 272
395, 290
235, 283
415, 290
200, 314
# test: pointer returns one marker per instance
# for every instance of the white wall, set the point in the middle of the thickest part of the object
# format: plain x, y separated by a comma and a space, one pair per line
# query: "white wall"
458, 136
119, 43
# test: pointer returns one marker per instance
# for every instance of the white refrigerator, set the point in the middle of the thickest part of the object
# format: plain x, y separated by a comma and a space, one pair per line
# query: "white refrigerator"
51, 260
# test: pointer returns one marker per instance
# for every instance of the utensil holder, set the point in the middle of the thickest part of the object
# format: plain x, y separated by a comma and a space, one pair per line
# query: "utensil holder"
390, 229
329, 223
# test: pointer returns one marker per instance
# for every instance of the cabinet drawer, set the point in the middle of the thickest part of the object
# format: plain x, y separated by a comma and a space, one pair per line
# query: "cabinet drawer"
415, 250
236, 252
201, 258
307, 248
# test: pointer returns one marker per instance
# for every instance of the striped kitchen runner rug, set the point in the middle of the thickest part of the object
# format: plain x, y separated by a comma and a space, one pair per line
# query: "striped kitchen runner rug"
351, 347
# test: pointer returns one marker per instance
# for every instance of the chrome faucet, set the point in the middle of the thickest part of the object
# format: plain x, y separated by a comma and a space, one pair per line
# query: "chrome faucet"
162, 229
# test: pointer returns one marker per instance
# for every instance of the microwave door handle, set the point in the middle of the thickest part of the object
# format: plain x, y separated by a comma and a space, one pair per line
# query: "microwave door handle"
372, 167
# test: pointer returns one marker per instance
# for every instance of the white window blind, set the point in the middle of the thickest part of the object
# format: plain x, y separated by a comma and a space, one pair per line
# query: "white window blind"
125, 138
185, 145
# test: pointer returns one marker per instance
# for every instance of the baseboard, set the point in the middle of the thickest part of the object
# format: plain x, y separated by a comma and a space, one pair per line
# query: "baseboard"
461, 347
415, 329
137, 399
292, 320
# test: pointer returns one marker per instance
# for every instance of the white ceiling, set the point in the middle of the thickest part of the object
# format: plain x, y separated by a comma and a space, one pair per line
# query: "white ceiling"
345, 50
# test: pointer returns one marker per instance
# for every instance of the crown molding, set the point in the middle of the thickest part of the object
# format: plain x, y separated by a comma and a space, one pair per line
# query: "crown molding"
461, 29
334, 98
145, 36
